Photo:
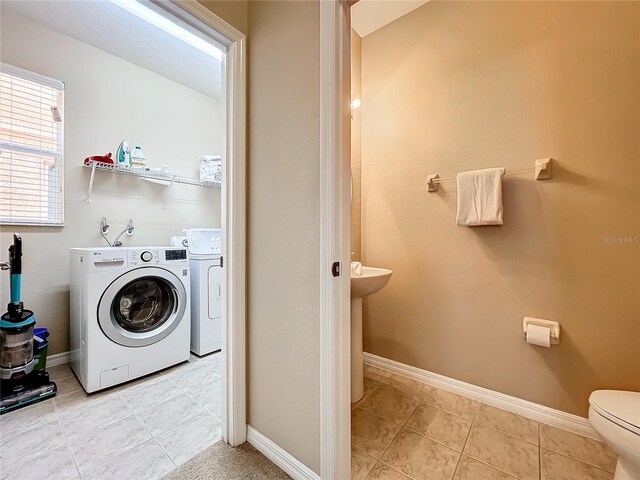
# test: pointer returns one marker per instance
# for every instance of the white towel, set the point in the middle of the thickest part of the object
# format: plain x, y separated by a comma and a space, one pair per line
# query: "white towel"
480, 197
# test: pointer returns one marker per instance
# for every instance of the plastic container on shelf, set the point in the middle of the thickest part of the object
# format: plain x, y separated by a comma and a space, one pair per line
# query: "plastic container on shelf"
137, 158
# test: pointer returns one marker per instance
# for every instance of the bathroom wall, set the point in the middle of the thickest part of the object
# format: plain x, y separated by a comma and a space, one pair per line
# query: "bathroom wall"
107, 100
356, 122
283, 324
457, 86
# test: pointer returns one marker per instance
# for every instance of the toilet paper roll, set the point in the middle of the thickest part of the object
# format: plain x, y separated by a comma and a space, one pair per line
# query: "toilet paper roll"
537, 335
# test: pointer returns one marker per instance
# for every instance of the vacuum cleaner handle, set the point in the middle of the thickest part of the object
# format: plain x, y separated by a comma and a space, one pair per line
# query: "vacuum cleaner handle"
15, 263
15, 255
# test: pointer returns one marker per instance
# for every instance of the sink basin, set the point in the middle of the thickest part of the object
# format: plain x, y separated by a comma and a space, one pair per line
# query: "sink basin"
371, 280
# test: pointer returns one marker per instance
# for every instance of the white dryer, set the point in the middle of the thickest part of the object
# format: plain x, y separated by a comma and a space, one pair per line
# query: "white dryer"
129, 312
205, 258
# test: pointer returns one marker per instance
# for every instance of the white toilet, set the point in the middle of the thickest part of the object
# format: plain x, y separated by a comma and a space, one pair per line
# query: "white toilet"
616, 417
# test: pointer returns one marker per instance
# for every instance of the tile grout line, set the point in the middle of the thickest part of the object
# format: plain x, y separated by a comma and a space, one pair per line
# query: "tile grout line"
394, 438
507, 433
87, 402
375, 460
66, 440
427, 403
439, 442
473, 420
403, 426
151, 436
499, 431
539, 453
475, 423
103, 425
458, 395
468, 434
180, 424
204, 410
576, 460
135, 415
128, 449
154, 439
171, 459
549, 449
392, 468
490, 428
364, 397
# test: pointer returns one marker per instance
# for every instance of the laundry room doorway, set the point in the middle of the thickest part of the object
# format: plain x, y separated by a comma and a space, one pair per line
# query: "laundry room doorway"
203, 22
123, 127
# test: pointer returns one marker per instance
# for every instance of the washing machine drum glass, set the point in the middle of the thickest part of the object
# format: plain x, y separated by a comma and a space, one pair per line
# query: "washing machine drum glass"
142, 307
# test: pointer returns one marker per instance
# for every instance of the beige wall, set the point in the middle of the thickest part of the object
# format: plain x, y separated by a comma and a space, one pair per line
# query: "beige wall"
283, 345
234, 12
455, 86
107, 100
283, 226
356, 92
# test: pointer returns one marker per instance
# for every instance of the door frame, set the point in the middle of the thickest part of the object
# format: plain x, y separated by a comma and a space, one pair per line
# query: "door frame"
335, 221
195, 15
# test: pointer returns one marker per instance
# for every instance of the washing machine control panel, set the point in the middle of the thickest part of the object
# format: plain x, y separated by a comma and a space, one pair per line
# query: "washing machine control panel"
144, 257
158, 256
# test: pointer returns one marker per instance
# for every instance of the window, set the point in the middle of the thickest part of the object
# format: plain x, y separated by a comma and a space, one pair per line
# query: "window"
31, 154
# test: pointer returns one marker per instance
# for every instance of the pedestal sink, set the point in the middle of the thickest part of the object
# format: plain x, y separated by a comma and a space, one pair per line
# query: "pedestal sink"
368, 282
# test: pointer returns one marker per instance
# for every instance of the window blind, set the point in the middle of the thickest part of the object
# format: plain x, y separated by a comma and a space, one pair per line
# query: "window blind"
31, 148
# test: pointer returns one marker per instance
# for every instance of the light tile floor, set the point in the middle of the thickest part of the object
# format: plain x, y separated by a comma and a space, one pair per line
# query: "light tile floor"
140, 430
403, 429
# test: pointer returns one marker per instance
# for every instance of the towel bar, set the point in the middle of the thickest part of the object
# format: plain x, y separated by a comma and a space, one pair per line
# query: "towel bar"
541, 171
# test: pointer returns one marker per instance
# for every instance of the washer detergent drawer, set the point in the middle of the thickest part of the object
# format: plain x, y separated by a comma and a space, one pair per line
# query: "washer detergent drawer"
214, 284
113, 376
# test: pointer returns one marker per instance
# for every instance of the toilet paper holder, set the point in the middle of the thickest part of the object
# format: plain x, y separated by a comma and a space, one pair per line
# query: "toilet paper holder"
541, 322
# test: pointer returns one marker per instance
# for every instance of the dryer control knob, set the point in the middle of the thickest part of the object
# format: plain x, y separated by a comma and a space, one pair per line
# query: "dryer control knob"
146, 256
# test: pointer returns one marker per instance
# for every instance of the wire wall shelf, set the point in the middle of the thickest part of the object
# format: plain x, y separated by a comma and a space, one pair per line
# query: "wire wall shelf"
158, 177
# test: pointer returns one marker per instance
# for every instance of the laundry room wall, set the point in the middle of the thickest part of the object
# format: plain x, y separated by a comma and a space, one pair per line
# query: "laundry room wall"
107, 100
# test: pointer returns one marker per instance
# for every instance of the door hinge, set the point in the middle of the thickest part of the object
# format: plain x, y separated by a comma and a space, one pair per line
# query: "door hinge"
335, 269
221, 261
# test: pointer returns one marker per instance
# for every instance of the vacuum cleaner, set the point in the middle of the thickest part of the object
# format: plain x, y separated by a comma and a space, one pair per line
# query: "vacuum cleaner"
21, 384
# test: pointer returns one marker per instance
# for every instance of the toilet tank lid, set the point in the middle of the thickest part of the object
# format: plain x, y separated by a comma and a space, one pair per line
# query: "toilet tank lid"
619, 406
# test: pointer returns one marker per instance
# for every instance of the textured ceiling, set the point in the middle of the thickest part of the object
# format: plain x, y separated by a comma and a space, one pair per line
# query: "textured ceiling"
367, 16
112, 29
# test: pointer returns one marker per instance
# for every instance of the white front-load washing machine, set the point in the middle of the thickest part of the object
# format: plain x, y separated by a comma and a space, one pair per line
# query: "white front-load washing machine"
130, 312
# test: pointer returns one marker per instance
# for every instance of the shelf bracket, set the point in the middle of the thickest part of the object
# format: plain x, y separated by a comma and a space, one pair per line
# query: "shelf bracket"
166, 194
543, 169
93, 176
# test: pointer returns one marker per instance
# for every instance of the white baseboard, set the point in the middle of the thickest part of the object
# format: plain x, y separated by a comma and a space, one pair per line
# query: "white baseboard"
283, 459
58, 359
537, 412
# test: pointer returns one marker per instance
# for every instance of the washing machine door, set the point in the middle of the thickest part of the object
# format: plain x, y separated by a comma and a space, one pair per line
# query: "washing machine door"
142, 306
